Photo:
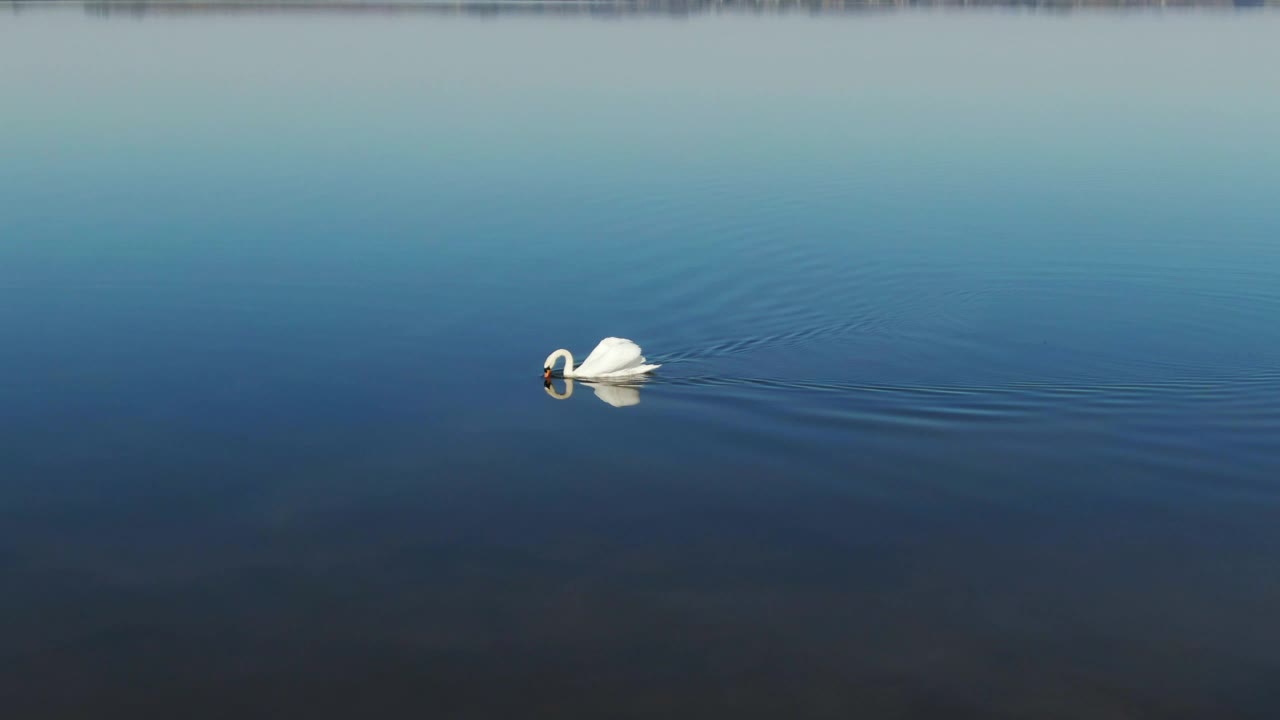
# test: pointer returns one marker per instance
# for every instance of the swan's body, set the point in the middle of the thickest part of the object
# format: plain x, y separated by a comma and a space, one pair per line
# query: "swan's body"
612, 358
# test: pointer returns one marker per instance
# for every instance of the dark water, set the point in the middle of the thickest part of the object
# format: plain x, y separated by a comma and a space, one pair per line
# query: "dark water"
969, 323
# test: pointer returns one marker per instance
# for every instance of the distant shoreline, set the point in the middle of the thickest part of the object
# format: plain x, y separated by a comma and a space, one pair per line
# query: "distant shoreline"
623, 7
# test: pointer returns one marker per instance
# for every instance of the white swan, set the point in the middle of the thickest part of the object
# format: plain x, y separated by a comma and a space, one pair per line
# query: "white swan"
612, 358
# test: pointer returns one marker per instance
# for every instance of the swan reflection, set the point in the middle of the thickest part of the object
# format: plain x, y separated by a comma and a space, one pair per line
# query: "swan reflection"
616, 394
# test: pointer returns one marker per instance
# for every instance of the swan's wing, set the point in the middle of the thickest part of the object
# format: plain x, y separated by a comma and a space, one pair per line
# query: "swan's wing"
628, 372
610, 356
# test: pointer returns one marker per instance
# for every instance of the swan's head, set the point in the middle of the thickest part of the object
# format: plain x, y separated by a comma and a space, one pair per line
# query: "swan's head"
550, 363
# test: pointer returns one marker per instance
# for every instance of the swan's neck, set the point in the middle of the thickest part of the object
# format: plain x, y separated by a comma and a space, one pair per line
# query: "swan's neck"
568, 361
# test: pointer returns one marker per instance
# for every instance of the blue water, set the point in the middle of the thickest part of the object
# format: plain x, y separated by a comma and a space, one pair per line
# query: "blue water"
968, 320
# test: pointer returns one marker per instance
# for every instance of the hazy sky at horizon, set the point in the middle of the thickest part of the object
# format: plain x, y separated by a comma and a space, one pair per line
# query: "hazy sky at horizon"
245, 109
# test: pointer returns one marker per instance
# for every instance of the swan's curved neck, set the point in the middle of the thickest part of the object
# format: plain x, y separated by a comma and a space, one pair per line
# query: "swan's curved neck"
568, 361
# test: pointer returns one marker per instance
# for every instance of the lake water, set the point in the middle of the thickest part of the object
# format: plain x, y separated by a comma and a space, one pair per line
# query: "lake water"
969, 323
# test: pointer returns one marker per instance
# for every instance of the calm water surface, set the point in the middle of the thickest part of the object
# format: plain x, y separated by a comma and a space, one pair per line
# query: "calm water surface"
969, 323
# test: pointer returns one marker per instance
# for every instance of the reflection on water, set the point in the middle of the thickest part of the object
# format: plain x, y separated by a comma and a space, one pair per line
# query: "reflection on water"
616, 394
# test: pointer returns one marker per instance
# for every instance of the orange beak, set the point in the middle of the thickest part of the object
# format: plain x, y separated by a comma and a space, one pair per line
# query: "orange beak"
546, 373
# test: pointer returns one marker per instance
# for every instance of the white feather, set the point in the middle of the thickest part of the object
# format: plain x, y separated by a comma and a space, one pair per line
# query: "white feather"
613, 357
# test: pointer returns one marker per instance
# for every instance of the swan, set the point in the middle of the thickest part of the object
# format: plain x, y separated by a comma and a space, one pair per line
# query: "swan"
612, 358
